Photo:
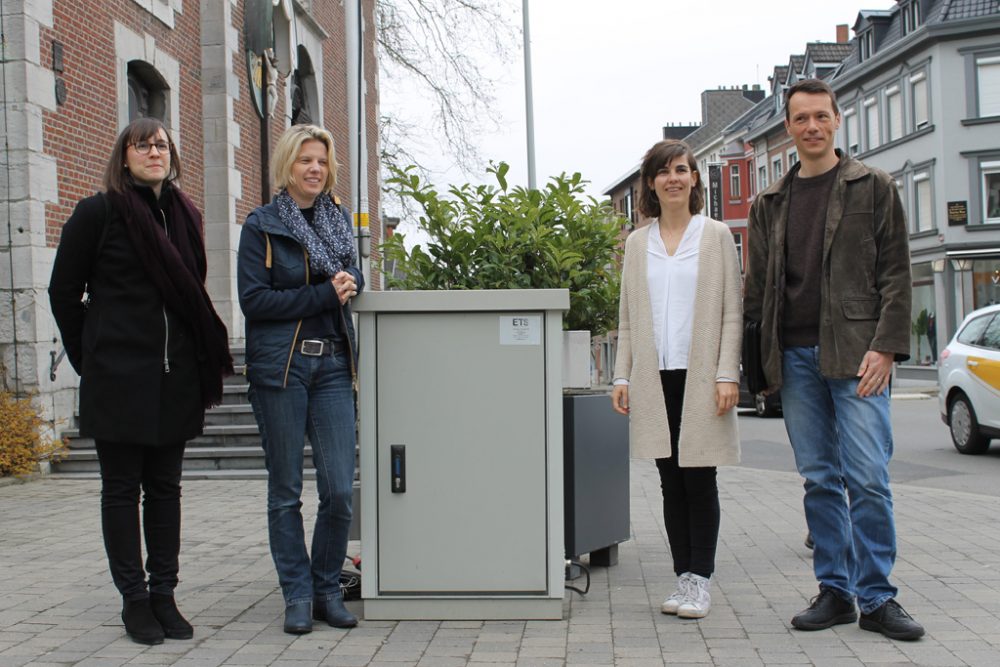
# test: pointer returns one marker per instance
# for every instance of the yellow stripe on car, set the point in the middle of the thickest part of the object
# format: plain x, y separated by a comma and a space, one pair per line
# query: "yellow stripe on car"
986, 370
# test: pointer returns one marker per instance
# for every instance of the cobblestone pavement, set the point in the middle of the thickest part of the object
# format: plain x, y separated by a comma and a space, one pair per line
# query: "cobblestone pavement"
58, 607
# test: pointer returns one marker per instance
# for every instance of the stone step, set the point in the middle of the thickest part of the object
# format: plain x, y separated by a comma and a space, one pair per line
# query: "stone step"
215, 433
233, 414
235, 392
239, 375
195, 458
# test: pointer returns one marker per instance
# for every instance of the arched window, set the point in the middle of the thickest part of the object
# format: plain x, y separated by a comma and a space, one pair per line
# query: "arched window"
147, 92
304, 90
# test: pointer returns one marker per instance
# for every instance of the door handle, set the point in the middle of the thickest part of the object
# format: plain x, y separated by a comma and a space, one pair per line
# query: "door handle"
972, 363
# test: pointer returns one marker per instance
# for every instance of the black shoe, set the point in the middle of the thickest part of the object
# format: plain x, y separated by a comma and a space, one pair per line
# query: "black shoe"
174, 625
140, 624
298, 618
334, 612
892, 621
809, 541
825, 611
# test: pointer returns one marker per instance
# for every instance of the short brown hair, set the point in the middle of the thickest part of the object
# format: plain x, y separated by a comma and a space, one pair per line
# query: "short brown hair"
287, 151
116, 177
660, 155
812, 87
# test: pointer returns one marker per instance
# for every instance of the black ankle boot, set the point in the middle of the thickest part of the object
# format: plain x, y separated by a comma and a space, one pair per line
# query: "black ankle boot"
140, 624
165, 610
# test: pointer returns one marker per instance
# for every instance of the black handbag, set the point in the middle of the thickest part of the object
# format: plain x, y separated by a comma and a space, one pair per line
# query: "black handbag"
753, 362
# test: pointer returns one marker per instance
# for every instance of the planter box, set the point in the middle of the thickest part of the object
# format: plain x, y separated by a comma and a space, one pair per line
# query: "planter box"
596, 477
576, 360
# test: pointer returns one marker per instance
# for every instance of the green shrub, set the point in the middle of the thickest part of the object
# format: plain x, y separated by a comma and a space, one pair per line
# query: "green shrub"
488, 237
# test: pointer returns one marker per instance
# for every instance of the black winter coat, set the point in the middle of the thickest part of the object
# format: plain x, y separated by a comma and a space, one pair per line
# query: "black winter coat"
136, 359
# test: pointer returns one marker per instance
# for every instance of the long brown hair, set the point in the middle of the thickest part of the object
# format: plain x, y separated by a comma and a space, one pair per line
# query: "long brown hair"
660, 155
116, 177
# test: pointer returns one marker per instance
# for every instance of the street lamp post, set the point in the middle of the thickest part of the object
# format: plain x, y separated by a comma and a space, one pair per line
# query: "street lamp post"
528, 103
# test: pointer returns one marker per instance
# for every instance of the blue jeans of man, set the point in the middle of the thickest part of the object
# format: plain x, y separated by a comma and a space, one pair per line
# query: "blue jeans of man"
842, 446
317, 402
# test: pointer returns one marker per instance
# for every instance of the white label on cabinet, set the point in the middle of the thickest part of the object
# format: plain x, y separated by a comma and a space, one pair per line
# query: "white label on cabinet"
520, 330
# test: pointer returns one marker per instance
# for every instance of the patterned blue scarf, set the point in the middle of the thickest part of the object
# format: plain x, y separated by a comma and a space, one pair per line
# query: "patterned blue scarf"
327, 239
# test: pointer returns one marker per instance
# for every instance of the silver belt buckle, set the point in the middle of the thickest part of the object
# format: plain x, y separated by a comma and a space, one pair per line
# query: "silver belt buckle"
313, 347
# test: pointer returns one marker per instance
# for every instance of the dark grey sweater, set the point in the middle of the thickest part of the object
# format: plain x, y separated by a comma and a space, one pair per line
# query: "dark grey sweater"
808, 199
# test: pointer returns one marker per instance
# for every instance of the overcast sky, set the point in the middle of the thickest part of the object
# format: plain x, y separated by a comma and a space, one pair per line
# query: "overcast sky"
609, 75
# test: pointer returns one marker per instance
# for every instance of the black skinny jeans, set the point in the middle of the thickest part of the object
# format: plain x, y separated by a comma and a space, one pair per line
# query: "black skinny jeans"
690, 495
125, 468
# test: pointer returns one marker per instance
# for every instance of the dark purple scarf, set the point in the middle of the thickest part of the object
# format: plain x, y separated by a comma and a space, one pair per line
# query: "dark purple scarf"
177, 267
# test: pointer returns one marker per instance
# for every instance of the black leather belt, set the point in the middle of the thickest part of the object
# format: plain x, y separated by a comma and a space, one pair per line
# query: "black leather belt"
318, 347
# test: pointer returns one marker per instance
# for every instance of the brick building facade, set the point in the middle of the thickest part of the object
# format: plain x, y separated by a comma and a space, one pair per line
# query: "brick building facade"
76, 71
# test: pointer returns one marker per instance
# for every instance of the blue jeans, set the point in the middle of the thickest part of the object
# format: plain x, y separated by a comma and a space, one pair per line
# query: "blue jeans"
842, 443
318, 401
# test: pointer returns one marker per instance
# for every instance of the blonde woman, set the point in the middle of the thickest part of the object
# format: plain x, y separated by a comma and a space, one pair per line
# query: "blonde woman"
297, 272
681, 275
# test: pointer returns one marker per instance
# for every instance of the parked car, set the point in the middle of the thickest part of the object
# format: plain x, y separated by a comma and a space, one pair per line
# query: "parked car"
763, 406
969, 377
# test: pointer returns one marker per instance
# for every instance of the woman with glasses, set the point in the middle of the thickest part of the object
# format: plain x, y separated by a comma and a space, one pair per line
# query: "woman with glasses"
128, 295
297, 271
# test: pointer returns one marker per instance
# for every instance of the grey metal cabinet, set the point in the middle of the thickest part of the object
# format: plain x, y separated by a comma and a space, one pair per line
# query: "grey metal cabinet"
461, 454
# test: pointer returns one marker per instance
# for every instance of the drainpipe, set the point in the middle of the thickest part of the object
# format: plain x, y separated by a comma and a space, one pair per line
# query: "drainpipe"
356, 107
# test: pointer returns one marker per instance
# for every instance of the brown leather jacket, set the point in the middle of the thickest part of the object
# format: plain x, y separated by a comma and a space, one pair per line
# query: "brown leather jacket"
866, 290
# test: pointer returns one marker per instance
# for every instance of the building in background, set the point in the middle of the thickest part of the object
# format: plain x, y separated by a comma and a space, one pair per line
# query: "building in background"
919, 92
919, 95
77, 71
718, 108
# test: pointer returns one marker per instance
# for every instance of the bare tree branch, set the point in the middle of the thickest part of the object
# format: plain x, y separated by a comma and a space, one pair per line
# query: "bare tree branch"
442, 49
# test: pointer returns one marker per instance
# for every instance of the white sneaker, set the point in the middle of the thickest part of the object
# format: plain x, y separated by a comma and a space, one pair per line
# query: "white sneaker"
698, 600
671, 604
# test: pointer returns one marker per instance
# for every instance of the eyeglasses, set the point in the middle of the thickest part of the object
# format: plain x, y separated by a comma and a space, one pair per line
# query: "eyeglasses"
142, 147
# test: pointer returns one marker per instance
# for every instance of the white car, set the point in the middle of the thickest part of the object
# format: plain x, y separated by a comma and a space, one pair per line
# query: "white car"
969, 377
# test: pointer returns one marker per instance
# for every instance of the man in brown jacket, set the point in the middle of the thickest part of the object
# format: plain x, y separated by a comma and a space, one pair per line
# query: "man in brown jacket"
829, 279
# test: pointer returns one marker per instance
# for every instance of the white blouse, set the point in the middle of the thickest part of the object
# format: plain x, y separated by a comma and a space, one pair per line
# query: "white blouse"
672, 281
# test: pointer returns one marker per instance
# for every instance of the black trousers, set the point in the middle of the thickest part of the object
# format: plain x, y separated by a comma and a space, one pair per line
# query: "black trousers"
690, 495
125, 469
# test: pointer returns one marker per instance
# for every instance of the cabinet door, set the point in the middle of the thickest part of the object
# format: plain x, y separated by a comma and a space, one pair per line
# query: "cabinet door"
470, 411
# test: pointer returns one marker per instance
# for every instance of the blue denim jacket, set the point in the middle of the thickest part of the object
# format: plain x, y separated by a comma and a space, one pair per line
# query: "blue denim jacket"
275, 300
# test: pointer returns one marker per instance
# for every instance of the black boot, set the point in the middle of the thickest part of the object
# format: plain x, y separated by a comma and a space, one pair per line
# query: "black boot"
140, 624
165, 610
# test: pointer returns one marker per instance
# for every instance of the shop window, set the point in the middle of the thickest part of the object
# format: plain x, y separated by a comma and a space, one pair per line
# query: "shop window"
986, 282
923, 315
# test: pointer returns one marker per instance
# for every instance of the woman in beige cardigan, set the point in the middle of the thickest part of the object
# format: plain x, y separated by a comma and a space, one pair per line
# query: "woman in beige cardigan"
677, 370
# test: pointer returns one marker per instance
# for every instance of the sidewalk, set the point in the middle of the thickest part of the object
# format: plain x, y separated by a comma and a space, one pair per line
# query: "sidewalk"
58, 607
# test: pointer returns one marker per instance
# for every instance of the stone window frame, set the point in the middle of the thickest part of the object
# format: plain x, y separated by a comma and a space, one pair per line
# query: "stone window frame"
163, 10
871, 106
131, 46
972, 55
907, 179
